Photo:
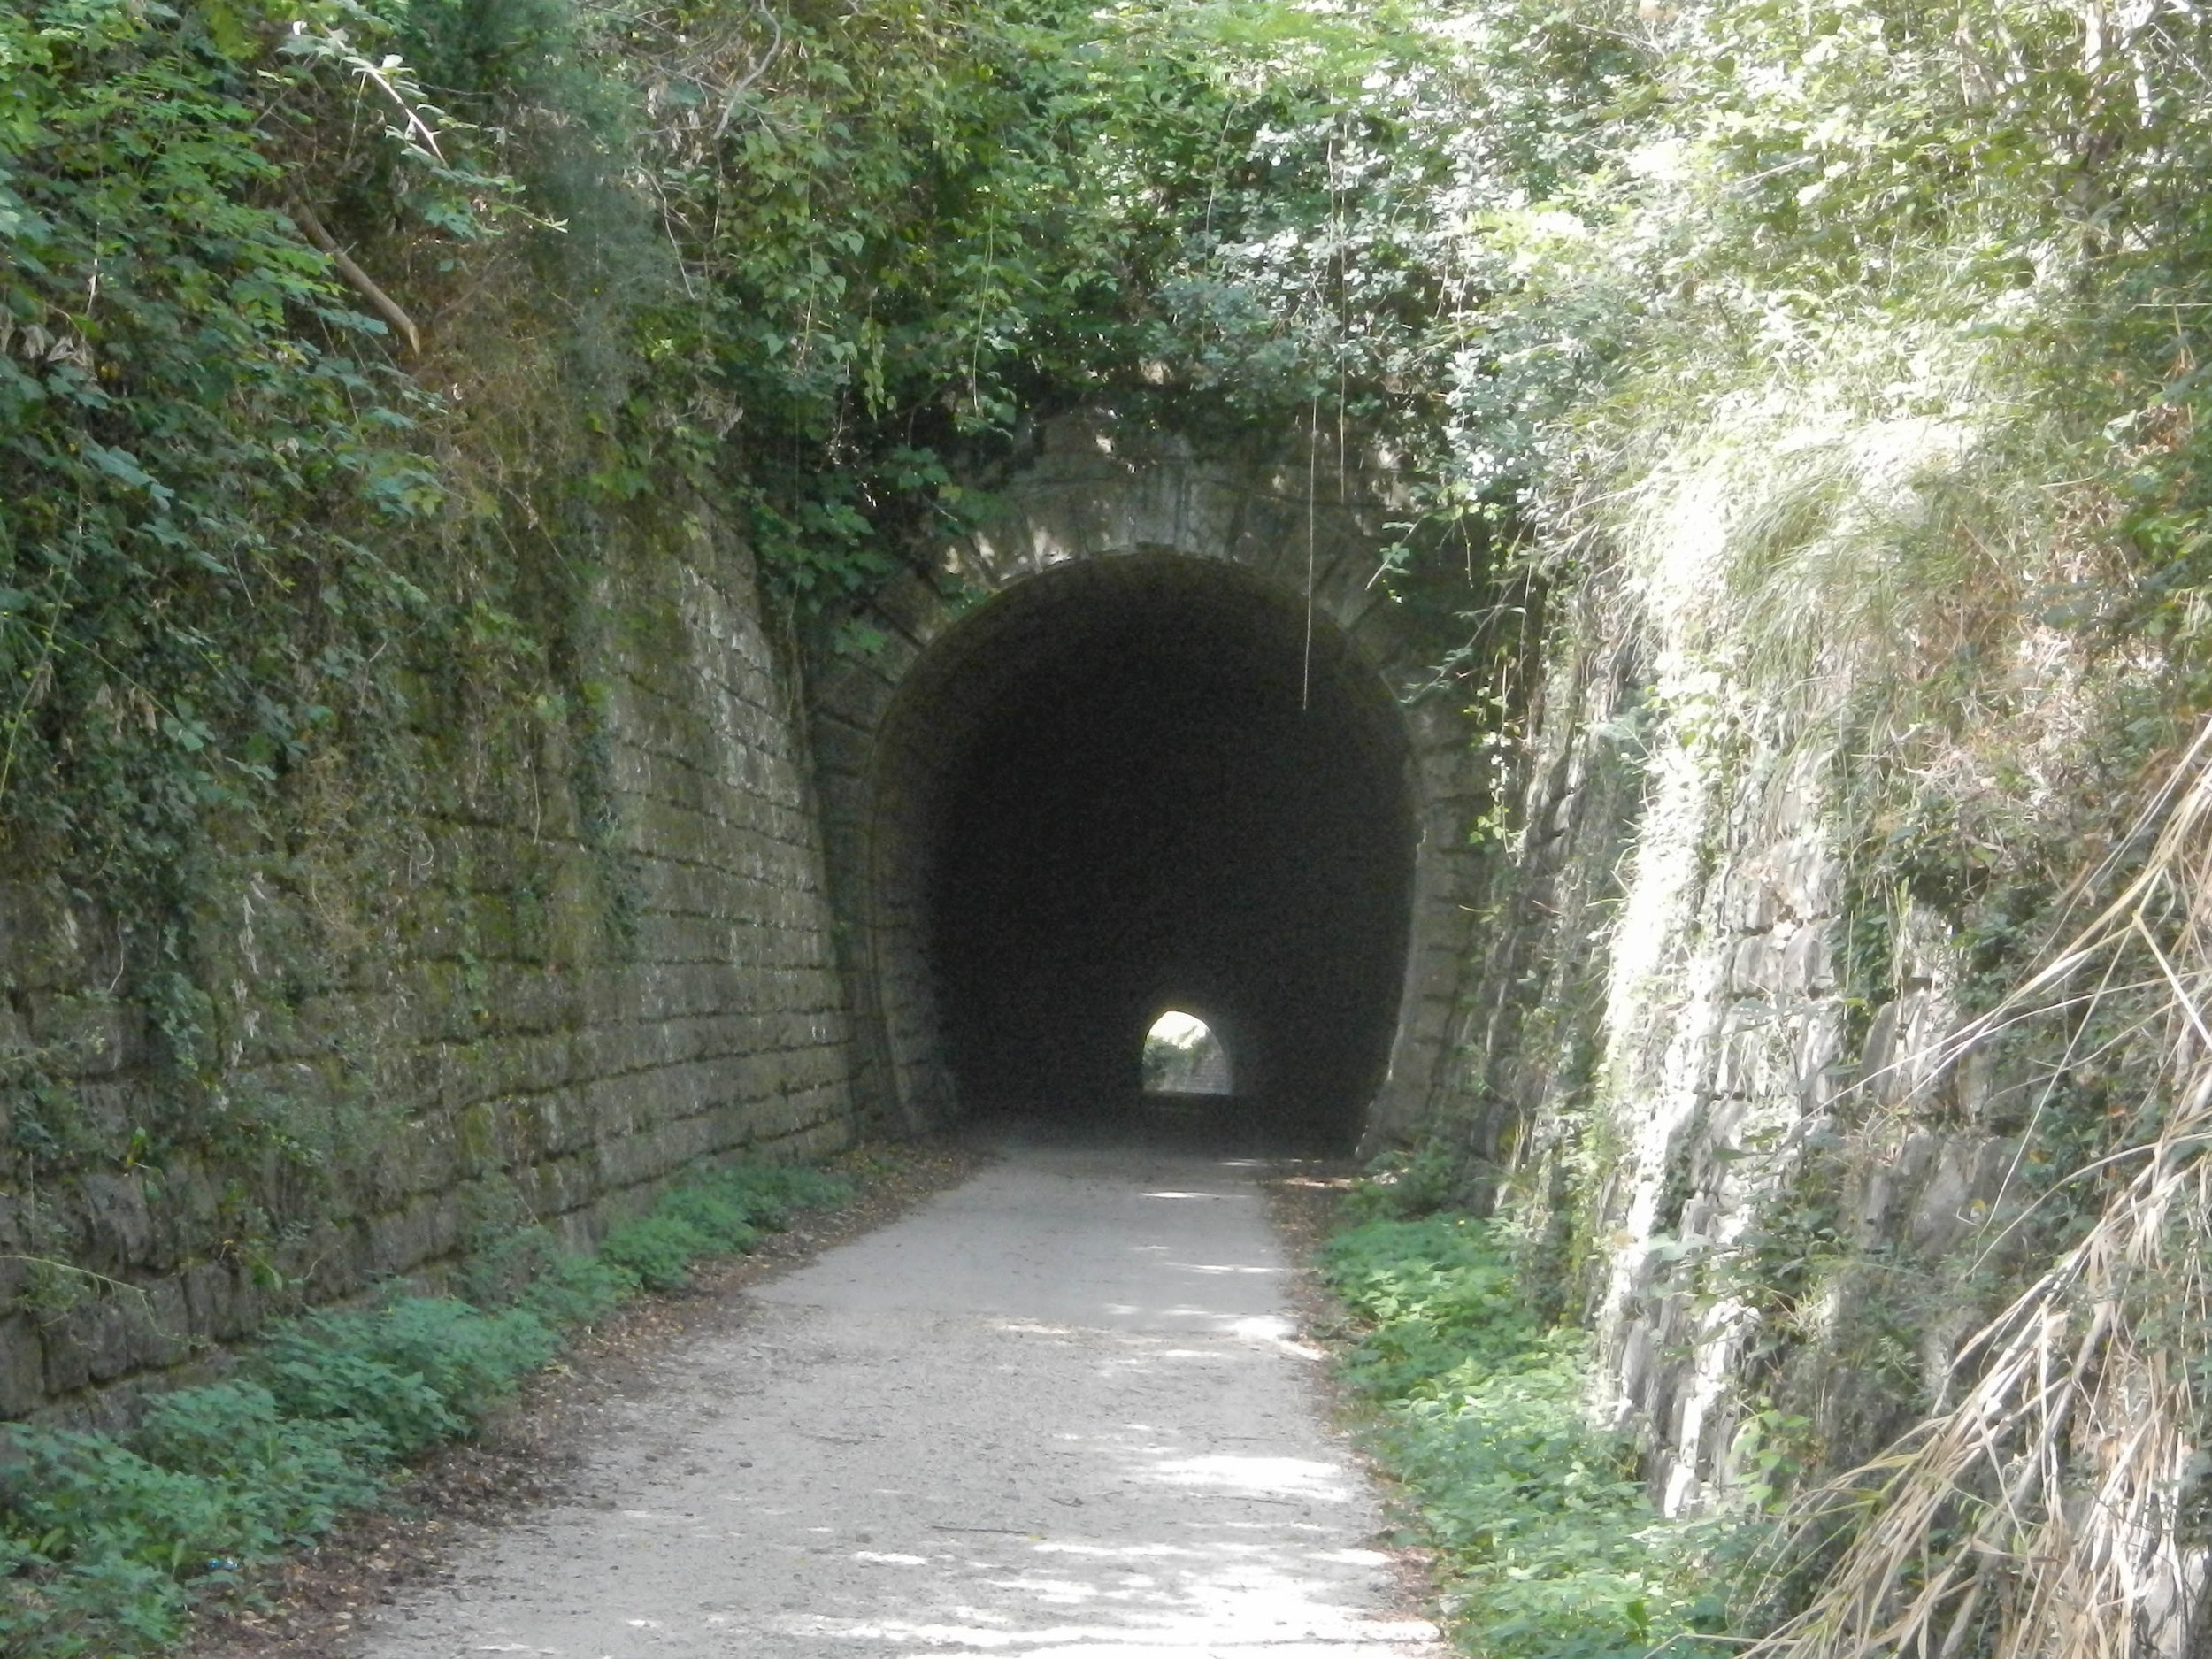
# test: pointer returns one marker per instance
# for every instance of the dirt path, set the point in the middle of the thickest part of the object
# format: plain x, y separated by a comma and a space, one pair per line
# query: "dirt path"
1057, 1411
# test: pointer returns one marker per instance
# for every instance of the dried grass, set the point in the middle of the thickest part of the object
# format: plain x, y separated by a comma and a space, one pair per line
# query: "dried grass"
2051, 1509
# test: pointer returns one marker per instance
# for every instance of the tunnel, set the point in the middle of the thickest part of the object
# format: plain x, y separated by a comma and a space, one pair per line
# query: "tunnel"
1131, 785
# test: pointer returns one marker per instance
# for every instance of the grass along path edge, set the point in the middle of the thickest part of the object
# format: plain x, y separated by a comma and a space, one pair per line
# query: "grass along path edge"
1538, 1534
114, 1544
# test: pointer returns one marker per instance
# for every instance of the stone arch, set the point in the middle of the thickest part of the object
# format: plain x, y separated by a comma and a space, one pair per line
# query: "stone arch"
1130, 514
1223, 1033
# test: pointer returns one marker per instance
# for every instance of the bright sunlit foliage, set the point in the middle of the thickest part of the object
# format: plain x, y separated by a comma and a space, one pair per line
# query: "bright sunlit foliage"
1183, 1057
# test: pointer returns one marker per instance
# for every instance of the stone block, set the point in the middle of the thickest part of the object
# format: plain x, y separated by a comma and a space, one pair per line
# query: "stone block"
1435, 974
112, 1108
219, 1303
1889, 1185
1941, 1210
113, 1334
184, 1208
480, 1140
42, 943
424, 1158
1809, 877
626, 1162
560, 1186
1990, 1097
1756, 967
94, 1036
1824, 1078
1796, 800
844, 747
1819, 1039
1808, 967
122, 1227
1885, 1061
565, 1125
401, 1240
339, 1260
22, 1368
163, 1326
1748, 902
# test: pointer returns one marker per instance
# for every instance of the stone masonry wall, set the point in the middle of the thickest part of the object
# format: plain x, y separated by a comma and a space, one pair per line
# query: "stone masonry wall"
1747, 1168
555, 955
1098, 492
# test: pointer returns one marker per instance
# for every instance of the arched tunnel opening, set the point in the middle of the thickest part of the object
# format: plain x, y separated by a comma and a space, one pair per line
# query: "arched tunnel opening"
1135, 784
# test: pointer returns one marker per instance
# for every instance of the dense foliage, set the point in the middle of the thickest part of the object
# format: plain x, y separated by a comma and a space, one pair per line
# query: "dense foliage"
334, 333
1855, 350
830, 263
1548, 1542
194, 427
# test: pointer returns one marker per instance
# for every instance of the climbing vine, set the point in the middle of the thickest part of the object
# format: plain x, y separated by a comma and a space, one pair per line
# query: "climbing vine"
828, 262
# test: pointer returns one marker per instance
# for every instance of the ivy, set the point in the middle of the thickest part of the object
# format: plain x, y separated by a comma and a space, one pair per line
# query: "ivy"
828, 264
189, 432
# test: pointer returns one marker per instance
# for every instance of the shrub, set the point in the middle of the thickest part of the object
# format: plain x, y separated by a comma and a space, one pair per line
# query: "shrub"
1437, 1293
472, 1358
659, 1248
577, 1290
107, 1542
1550, 1546
318, 1369
295, 1476
718, 1212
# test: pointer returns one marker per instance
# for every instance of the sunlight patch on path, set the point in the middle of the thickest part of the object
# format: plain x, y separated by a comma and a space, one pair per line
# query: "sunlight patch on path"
1057, 1414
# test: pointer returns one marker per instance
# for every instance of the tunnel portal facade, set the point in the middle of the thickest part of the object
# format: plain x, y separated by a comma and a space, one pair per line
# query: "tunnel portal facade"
1130, 768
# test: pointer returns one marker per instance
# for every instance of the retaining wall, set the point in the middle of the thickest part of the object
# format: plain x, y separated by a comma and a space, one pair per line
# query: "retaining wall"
1735, 1154
542, 959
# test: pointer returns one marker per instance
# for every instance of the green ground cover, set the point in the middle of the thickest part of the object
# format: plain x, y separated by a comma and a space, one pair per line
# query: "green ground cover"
109, 1542
1546, 1542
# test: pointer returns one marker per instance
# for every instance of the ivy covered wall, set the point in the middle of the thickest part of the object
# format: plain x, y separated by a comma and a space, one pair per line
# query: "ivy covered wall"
401, 812
541, 958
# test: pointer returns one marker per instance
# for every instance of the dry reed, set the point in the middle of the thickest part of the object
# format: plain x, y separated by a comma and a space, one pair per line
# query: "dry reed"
2049, 1509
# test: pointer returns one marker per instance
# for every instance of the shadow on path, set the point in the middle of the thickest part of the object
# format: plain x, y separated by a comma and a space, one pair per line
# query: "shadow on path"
1060, 1410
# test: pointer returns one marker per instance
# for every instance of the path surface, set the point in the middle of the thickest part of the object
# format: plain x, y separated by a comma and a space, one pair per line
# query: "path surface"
1057, 1412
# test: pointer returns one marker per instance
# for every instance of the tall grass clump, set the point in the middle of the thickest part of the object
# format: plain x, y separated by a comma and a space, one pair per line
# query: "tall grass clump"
2053, 1502
109, 1542
1549, 1545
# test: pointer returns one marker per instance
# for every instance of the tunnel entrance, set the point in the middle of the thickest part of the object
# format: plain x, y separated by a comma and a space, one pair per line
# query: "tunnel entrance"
1126, 782
1182, 1055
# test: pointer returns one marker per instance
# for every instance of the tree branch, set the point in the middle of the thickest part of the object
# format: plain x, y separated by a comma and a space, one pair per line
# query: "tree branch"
385, 306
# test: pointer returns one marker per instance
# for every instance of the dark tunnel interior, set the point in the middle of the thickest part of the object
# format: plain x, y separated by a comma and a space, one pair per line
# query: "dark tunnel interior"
1144, 805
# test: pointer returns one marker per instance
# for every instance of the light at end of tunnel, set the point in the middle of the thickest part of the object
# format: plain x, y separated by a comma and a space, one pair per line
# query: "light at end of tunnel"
1183, 1057
1178, 1028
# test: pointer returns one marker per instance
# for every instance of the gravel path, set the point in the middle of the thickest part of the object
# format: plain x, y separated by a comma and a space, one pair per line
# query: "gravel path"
1057, 1411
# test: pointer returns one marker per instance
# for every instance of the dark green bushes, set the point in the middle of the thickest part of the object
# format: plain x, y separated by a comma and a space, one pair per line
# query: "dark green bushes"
106, 1542
419, 1369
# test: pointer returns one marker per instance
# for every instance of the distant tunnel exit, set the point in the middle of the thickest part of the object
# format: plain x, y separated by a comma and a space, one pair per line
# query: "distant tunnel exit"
1119, 787
1182, 1055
